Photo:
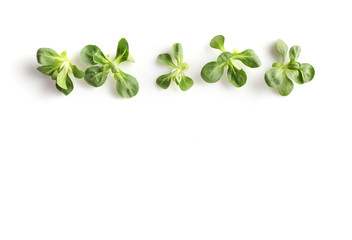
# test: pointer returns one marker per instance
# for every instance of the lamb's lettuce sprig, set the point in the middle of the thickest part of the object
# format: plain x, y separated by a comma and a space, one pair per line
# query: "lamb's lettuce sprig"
281, 75
127, 86
213, 71
177, 74
58, 67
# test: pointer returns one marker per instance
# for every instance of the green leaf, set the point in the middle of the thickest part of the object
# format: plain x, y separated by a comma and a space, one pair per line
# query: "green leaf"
47, 56
274, 77
166, 59
126, 85
224, 57
69, 86
76, 72
54, 74
100, 58
95, 76
249, 58
186, 83
236, 77
87, 54
62, 76
164, 81
294, 53
286, 87
48, 69
218, 42
212, 72
307, 71
177, 52
294, 75
122, 52
282, 48
130, 59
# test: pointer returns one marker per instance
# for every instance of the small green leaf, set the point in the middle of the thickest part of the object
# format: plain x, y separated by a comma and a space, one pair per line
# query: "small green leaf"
186, 83
294, 75
100, 58
127, 86
122, 52
274, 77
62, 76
47, 56
307, 71
166, 59
130, 59
164, 81
286, 87
294, 53
236, 77
54, 74
87, 54
95, 76
212, 72
177, 52
249, 58
282, 48
76, 72
48, 69
276, 64
224, 57
218, 42
69, 86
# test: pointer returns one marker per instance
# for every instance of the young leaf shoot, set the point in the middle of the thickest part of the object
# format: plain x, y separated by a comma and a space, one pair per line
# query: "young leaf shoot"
177, 75
58, 67
213, 71
96, 75
280, 76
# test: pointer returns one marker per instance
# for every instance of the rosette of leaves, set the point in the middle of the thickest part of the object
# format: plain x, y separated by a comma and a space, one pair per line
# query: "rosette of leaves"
177, 75
213, 71
280, 76
126, 85
58, 67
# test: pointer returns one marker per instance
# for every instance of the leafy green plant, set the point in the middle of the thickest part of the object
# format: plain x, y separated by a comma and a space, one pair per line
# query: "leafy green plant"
177, 75
281, 75
58, 67
213, 71
126, 85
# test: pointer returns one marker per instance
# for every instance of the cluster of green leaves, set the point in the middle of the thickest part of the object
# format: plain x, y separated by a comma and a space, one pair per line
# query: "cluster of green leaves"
126, 85
281, 75
213, 71
58, 67
177, 75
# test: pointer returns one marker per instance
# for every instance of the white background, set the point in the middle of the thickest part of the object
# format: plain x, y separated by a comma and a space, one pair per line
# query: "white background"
215, 162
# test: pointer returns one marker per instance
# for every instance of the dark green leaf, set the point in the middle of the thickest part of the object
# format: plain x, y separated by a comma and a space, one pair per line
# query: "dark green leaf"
69, 85
95, 76
122, 52
164, 81
224, 57
294, 53
186, 83
281, 48
218, 42
166, 59
47, 56
249, 58
212, 72
294, 75
76, 72
48, 69
87, 54
177, 52
236, 77
126, 85
307, 71
274, 77
286, 87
